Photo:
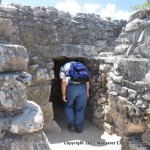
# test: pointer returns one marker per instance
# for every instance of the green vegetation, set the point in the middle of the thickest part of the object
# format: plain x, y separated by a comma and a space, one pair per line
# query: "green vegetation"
141, 7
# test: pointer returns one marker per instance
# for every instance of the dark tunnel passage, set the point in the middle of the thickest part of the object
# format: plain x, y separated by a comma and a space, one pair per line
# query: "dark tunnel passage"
55, 96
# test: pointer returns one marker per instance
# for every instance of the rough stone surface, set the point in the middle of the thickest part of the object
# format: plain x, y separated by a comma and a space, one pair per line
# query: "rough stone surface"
30, 121
133, 143
129, 96
13, 91
18, 117
34, 141
48, 35
13, 58
6, 29
115, 52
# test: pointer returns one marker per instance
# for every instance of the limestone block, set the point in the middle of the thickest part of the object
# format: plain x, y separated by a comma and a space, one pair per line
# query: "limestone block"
146, 96
51, 127
3, 127
104, 67
127, 127
5, 29
42, 74
101, 100
115, 78
34, 141
8, 9
100, 43
13, 58
135, 25
29, 121
143, 49
146, 137
13, 91
132, 94
133, 69
147, 77
68, 50
133, 143
39, 12
90, 50
39, 94
98, 113
121, 49
47, 112
117, 89
109, 128
139, 103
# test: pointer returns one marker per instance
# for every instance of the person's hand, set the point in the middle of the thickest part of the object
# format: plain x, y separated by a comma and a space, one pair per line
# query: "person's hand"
64, 98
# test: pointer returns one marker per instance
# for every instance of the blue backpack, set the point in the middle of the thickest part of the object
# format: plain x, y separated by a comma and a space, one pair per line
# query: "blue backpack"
78, 72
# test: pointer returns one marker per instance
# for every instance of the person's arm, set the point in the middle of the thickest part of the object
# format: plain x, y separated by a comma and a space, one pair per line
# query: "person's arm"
87, 87
63, 89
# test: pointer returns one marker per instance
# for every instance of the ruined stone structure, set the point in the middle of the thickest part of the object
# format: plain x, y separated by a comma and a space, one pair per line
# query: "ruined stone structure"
19, 117
116, 54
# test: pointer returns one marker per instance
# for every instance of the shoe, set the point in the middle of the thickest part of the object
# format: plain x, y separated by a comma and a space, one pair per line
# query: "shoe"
71, 127
78, 130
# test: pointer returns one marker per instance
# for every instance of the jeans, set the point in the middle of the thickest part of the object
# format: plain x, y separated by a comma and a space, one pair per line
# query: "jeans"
76, 103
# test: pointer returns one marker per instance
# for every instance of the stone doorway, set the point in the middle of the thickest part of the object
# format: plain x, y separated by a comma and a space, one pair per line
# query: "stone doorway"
55, 96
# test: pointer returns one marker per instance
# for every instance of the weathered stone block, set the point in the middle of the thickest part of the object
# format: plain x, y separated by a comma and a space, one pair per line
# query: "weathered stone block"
34, 141
133, 69
29, 121
5, 29
39, 94
48, 113
146, 137
135, 25
133, 143
13, 58
13, 91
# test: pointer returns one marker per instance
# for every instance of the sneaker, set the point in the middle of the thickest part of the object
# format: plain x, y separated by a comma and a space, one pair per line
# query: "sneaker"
71, 127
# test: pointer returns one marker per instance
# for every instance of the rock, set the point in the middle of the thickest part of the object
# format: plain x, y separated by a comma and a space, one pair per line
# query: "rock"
121, 49
13, 58
34, 141
48, 113
108, 128
146, 137
135, 25
8, 9
146, 96
115, 78
13, 91
126, 68
31, 120
133, 143
6, 29
132, 94
89, 50
39, 94
104, 68
51, 127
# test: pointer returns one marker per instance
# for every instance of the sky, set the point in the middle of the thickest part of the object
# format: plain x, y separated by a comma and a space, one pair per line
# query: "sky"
116, 9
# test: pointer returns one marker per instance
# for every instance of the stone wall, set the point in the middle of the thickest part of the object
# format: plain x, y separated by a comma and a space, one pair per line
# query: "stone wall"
21, 120
116, 54
129, 82
50, 34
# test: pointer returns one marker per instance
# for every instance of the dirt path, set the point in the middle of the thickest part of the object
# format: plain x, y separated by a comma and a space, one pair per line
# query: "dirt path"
91, 137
